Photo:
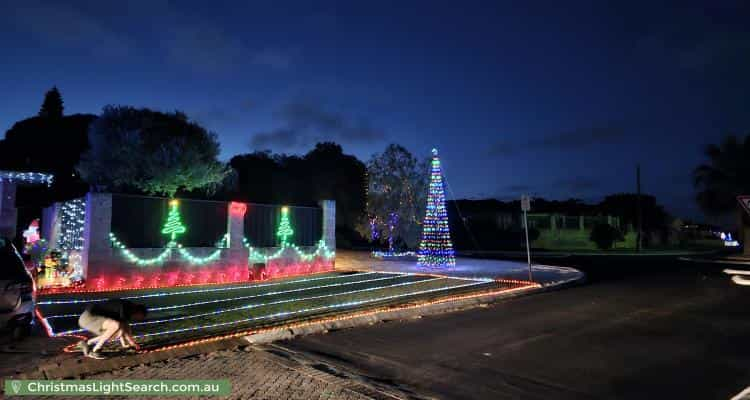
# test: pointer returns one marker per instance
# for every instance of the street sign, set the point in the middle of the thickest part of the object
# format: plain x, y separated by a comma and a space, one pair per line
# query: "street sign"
525, 203
744, 202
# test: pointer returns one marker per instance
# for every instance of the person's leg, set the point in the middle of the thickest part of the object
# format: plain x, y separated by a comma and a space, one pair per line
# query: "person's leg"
111, 327
122, 335
118, 335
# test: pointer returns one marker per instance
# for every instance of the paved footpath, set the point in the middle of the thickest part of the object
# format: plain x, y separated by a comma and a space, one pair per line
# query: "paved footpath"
254, 374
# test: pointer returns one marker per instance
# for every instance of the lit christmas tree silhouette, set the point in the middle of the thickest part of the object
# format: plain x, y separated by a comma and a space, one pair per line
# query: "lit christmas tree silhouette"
436, 249
173, 226
285, 229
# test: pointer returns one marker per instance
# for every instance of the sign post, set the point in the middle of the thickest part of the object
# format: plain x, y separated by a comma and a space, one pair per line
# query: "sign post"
526, 206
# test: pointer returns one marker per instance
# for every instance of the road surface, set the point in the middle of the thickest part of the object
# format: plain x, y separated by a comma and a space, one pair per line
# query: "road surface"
641, 328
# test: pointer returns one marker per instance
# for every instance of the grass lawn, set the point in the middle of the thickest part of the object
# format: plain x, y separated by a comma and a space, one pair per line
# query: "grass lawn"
187, 313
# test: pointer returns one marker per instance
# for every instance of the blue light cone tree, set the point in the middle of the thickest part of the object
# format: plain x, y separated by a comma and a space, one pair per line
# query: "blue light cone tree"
436, 248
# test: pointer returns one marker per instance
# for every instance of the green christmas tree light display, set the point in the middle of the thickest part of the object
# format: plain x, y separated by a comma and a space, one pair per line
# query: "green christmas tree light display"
173, 226
285, 228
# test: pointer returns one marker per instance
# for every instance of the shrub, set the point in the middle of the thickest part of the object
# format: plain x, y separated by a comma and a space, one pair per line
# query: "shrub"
605, 235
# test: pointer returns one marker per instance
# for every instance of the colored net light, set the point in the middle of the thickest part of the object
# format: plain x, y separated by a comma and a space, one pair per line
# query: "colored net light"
435, 248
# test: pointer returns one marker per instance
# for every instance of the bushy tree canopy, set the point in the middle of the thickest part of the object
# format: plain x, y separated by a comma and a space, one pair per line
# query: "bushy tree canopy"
325, 172
151, 151
725, 176
625, 206
605, 236
397, 184
52, 145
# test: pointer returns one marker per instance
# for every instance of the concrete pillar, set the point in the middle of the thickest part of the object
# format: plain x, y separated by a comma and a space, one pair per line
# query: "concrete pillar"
50, 229
329, 222
97, 227
236, 224
580, 223
552, 222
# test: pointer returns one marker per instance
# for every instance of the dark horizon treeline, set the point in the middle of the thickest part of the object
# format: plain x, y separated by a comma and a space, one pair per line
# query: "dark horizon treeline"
53, 143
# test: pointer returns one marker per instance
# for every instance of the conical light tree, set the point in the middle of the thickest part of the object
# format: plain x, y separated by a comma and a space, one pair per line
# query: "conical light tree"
285, 228
173, 226
435, 248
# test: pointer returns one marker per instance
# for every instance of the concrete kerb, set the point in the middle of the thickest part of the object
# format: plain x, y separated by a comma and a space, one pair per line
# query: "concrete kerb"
78, 366
714, 261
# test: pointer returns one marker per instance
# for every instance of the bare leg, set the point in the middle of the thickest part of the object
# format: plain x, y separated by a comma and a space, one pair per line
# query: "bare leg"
111, 328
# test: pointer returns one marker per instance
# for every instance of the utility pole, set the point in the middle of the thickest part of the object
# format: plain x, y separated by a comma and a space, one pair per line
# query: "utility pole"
639, 216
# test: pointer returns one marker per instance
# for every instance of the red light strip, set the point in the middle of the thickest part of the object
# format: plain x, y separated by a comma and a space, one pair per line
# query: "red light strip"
53, 291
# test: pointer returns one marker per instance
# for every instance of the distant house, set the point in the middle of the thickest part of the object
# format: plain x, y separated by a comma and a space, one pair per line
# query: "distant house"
561, 224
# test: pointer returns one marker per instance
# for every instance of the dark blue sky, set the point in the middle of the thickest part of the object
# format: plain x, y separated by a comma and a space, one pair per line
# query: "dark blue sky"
559, 99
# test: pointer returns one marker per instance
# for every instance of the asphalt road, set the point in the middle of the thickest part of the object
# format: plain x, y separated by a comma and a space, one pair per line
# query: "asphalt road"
642, 328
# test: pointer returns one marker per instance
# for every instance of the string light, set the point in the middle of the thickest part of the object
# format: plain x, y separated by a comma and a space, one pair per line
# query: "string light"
26, 177
173, 226
307, 310
72, 222
428, 278
165, 254
435, 248
257, 257
392, 254
327, 319
285, 229
203, 291
250, 306
253, 296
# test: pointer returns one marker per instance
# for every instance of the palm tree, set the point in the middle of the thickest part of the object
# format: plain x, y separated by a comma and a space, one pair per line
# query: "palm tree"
725, 176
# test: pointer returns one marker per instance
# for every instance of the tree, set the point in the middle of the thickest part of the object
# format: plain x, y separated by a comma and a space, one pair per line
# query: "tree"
285, 229
52, 145
152, 152
325, 172
52, 107
397, 184
173, 226
623, 205
605, 236
436, 248
724, 177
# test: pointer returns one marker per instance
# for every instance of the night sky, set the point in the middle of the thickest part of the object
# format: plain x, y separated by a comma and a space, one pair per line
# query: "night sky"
552, 98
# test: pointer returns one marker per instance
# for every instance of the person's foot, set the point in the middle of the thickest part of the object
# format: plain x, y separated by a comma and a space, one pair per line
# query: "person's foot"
84, 346
96, 355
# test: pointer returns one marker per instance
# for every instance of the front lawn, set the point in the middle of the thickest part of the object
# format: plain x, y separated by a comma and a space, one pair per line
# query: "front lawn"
183, 314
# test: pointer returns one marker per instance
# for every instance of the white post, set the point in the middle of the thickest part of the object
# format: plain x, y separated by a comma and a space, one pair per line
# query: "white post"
528, 249
526, 206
